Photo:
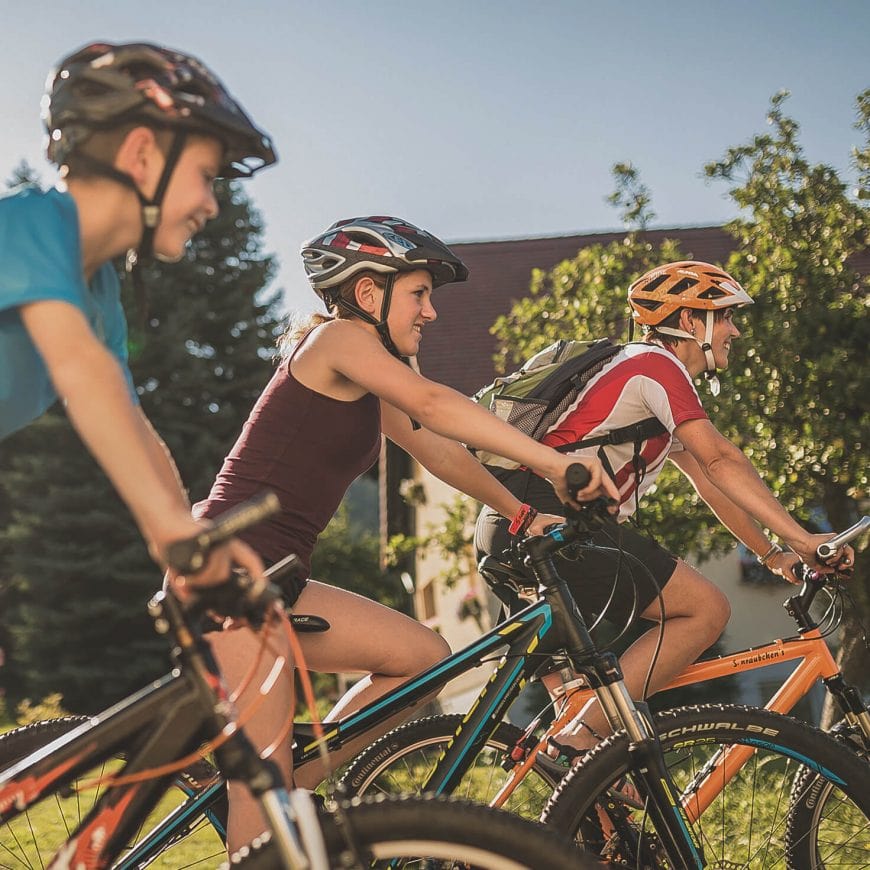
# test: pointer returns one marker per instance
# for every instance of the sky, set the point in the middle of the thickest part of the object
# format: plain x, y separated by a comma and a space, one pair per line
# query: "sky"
476, 119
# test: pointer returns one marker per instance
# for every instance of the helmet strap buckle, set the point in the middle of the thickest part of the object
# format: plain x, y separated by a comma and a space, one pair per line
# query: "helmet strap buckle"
150, 215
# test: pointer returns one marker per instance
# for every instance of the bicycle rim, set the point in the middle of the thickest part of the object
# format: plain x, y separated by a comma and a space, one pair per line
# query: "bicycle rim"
401, 762
32, 838
753, 821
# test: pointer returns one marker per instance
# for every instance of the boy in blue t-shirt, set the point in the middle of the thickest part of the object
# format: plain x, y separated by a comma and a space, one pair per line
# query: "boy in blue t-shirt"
139, 132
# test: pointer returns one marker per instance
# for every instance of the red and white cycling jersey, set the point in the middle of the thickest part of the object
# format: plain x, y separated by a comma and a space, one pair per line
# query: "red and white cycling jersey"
641, 381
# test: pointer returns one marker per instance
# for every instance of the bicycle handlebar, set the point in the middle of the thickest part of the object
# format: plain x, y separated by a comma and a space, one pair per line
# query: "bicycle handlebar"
826, 550
576, 478
189, 556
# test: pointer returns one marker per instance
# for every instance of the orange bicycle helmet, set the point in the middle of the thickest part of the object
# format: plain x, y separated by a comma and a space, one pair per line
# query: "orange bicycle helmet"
666, 289
687, 284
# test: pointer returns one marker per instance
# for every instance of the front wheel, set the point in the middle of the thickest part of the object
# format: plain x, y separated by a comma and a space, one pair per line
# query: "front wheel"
402, 761
186, 829
751, 820
429, 832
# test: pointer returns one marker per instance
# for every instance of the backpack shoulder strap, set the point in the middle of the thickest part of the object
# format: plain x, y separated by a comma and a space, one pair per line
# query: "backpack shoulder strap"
636, 432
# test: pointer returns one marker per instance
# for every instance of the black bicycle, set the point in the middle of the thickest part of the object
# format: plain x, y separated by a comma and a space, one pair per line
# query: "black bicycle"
106, 775
464, 755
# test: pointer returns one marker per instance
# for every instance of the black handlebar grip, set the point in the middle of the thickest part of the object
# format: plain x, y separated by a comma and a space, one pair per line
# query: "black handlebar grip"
189, 555
576, 477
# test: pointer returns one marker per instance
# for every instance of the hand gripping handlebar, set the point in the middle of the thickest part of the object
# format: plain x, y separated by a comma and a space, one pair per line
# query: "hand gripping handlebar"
189, 556
826, 550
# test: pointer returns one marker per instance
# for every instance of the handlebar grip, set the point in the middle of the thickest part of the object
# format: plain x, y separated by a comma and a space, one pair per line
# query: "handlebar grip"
806, 574
576, 477
189, 555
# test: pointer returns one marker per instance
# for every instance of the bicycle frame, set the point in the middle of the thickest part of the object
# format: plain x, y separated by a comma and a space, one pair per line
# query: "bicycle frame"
815, 662
529, 638
167, 718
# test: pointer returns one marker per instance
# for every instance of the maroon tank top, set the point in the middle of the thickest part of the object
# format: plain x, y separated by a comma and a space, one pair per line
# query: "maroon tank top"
307, 448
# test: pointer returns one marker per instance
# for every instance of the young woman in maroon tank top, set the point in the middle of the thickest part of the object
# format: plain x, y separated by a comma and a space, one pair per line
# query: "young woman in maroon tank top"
318, 426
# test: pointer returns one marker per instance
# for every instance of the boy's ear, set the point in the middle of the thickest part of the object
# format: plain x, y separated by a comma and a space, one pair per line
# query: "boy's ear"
368, 295
140, 157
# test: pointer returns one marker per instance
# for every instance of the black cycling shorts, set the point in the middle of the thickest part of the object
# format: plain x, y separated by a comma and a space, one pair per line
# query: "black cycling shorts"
620, 585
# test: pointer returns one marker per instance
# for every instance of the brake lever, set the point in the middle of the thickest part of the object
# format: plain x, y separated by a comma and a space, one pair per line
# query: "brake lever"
590, 515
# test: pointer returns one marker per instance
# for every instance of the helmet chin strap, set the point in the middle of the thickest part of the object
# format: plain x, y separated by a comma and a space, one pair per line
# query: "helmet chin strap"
380, 324
706, 346
150, 208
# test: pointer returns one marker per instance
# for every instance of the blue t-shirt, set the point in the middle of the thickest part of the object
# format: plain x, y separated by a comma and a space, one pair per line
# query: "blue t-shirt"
40, 259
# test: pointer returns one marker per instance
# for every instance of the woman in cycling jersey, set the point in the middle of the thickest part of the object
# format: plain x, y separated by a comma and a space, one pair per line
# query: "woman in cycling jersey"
342, 381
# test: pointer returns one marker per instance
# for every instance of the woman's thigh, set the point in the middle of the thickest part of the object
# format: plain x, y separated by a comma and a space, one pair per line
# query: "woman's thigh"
365, 636
243, 660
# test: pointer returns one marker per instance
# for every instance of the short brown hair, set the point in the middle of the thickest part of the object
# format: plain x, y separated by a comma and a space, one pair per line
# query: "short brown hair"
672, 321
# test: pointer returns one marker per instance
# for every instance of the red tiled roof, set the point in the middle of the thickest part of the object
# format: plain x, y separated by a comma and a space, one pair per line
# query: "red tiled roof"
458, 349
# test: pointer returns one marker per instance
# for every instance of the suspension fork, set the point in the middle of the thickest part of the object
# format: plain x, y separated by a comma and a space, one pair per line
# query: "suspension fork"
605, 677
650, 773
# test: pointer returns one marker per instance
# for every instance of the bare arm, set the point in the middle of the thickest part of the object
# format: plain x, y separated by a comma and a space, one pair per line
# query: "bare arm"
359, 357
734, 518
738, 521
449, 461
90, 381
736, 493
161, 458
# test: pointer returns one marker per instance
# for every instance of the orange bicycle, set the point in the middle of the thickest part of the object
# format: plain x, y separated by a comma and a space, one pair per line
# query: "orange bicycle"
707, 750
809, 648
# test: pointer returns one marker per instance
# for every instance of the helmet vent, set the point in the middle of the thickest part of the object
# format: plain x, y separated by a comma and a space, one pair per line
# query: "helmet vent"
712, 293
655, 283
648, 304
682, 285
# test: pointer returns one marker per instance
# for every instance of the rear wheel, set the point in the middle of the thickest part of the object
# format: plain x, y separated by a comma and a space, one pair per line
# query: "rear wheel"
415, 832
193, 836
401, 762
751, 821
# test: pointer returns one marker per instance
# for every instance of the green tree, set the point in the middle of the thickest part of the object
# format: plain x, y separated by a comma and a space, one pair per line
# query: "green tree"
76, 565
203, 354
798, 406
22, 174
632, 196
347, 555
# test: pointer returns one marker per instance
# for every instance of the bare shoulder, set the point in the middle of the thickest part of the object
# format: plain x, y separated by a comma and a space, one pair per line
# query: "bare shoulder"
340, 333
331, 357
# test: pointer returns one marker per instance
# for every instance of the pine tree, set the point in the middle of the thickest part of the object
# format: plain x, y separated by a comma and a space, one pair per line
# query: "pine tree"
22, 174
75, 567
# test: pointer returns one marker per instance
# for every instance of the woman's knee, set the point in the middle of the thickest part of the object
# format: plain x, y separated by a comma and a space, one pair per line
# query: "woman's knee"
431, 649
690, 594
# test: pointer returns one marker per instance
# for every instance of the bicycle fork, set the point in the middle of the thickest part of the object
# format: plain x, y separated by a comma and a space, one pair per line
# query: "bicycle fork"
660, 798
